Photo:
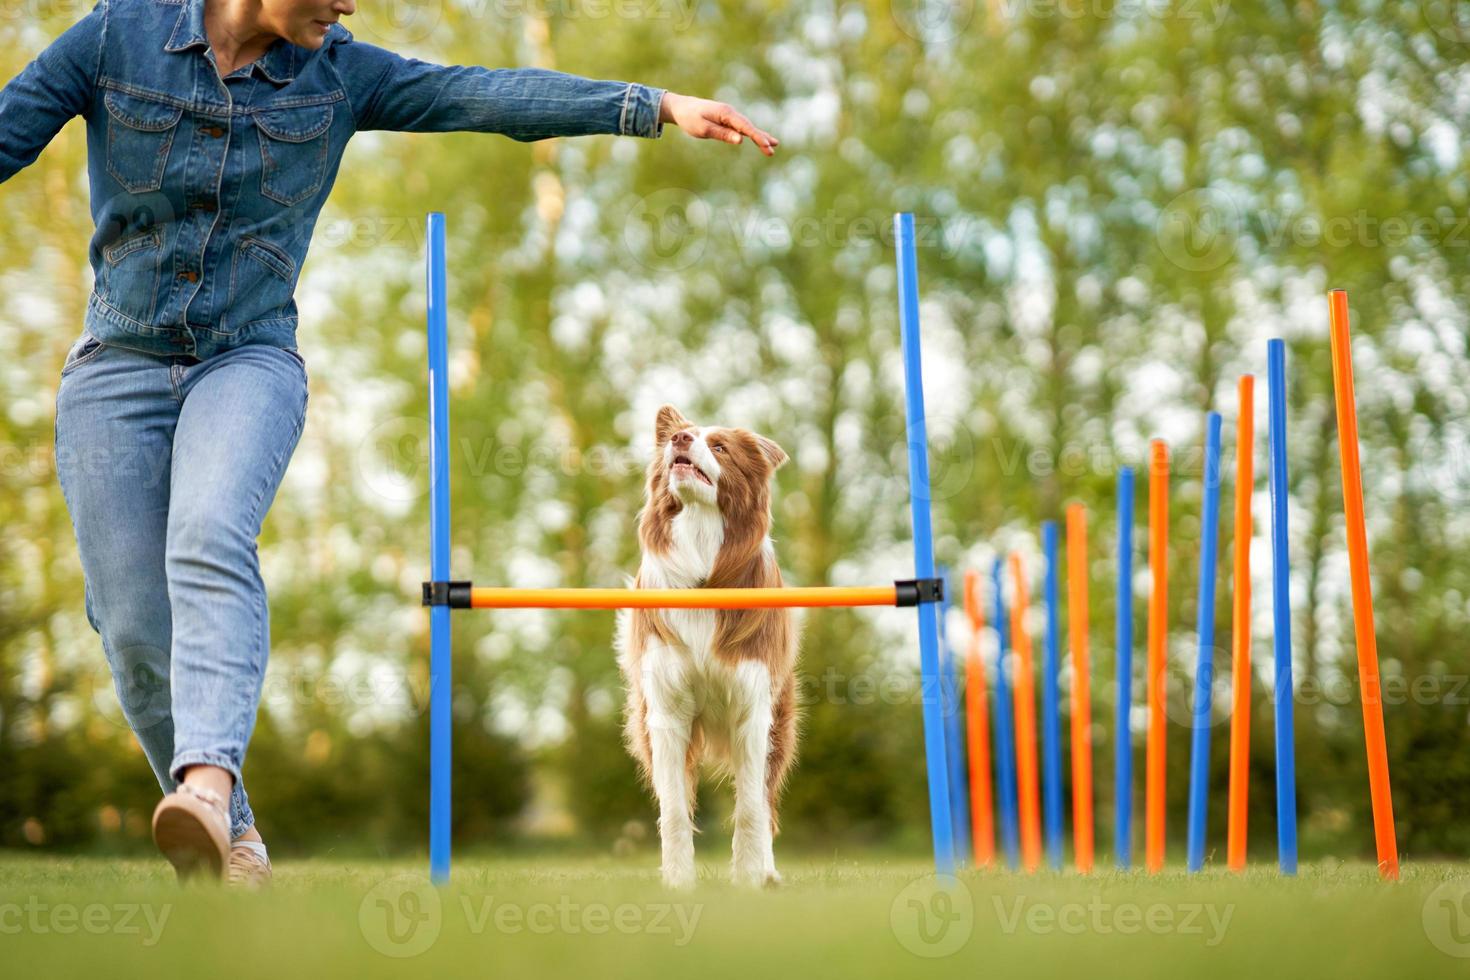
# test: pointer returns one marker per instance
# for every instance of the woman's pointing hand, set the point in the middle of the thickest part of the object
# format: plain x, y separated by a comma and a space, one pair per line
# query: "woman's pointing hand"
709, 120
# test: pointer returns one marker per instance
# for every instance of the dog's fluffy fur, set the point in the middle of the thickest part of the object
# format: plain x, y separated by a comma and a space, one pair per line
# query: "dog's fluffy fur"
703, 684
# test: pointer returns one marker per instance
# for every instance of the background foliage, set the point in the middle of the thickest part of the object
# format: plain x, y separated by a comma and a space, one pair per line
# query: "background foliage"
1120, 203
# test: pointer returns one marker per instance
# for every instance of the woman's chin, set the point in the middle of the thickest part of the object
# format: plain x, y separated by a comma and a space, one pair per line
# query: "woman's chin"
310, 37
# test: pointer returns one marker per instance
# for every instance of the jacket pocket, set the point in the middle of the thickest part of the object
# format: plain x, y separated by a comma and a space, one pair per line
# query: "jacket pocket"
262, 279
128, 279
140, 133
293, 151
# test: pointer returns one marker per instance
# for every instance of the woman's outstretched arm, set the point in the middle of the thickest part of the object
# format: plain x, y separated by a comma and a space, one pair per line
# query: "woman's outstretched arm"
49, 91
389, 91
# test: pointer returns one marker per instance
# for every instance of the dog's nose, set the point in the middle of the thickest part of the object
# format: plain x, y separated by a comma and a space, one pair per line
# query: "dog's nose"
683, 440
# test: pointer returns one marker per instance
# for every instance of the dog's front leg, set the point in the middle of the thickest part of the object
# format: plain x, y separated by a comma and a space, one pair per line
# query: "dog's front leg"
753, 860
671, 714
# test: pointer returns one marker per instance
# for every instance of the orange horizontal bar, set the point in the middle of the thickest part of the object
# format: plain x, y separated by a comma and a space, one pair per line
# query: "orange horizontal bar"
482, 597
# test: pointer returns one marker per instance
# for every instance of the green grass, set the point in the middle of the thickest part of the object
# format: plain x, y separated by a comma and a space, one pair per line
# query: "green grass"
519, 916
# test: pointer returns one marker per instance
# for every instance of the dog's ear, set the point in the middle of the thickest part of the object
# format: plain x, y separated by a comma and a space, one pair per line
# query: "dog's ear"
773, 453
668, 421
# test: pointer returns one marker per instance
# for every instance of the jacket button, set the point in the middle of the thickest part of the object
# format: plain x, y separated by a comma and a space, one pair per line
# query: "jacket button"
206, 206
214, 131
190, 275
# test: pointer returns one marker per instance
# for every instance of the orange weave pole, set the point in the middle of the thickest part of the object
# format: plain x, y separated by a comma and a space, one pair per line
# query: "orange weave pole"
1240, 711
977, 715
483, 597
1023, 692
1158, 625
1357, 539
1081, 687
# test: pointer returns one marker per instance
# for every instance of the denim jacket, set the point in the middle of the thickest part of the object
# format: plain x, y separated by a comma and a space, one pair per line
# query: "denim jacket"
205, 190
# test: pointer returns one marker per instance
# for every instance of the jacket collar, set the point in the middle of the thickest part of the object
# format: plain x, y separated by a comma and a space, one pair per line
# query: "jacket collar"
278, 63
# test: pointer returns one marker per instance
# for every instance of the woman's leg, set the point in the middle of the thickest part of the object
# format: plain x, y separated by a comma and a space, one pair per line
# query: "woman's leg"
242, 416
116, 411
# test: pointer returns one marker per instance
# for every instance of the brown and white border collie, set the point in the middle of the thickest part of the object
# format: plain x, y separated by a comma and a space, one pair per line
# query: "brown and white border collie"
705, 684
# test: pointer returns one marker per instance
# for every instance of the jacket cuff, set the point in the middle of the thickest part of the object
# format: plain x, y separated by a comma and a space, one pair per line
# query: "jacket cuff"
640, 112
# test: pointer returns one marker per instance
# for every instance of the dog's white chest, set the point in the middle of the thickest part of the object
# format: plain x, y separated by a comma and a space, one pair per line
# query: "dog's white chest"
696, 534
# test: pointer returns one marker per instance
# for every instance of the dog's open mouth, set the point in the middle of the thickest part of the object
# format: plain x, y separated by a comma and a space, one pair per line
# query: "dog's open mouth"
683, 468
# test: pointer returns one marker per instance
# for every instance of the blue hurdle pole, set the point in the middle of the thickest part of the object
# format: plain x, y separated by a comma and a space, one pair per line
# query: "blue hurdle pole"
440, 737
1006, 803
1051, 720
1281, 613
1122, 730
919, 491
954, 736
1204, 672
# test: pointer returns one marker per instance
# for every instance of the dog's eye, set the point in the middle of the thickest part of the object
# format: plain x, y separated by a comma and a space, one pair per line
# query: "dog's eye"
718, 448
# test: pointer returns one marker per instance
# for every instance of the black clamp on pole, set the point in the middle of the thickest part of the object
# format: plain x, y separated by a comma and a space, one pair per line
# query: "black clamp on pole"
455, 595
912, 591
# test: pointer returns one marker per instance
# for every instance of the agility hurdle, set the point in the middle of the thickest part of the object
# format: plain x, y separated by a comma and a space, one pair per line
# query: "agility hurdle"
442, 594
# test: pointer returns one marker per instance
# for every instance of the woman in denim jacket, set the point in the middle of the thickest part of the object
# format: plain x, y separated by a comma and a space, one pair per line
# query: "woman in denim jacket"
214, 133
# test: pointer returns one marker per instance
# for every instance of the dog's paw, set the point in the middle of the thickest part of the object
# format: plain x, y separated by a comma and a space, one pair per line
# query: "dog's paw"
679, 879
755, 877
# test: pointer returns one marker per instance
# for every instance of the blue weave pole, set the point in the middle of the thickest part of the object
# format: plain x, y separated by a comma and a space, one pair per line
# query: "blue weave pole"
920, 489
1051, 719
1122, 726
440, 676
1007, 804
954, 735
1204, 672
1281, 614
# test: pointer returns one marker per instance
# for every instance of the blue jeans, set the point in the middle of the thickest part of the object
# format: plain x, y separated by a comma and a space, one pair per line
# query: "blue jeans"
168, 465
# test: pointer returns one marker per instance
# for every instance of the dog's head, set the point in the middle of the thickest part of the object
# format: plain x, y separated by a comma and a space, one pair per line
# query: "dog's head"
711, 466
